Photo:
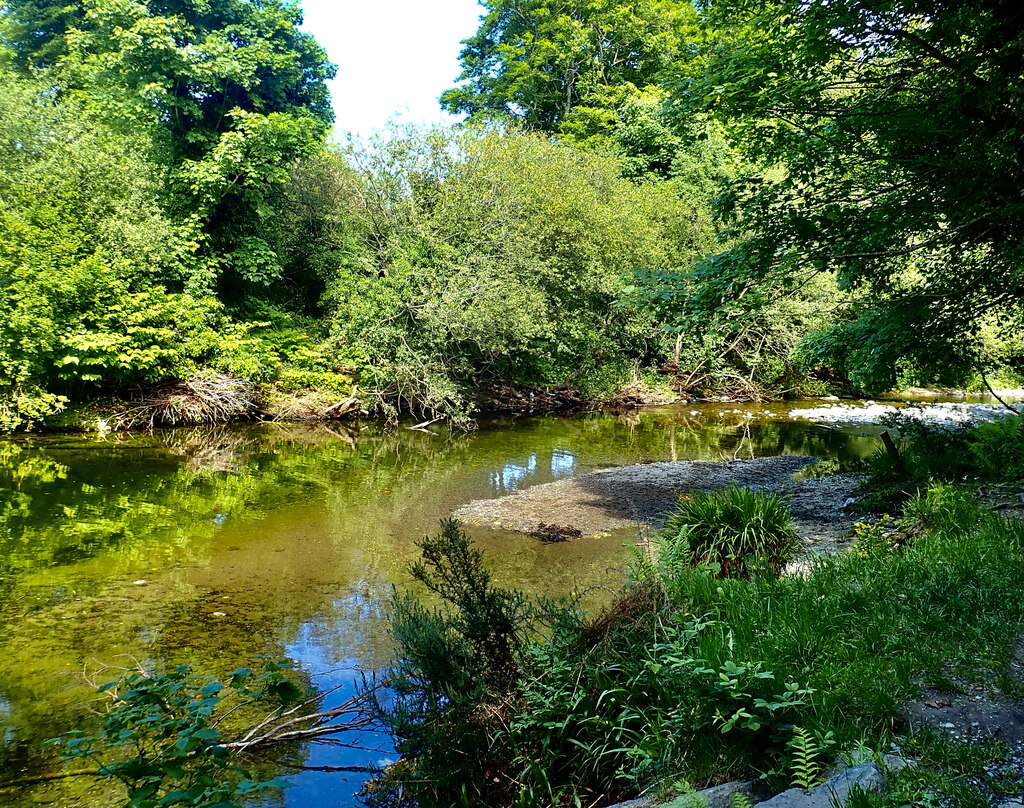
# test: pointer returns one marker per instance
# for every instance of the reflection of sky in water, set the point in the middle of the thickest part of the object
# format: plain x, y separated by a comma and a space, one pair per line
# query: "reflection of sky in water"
309, 651
7, 737
510, 476
563, 463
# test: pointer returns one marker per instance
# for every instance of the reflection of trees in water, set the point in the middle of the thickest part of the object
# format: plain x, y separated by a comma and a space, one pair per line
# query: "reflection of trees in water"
68, 500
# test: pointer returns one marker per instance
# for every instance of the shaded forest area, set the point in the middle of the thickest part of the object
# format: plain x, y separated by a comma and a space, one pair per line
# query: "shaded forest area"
732, 198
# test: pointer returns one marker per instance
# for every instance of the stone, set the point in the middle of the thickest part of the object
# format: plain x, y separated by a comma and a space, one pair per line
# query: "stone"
891, 763
714, 797
721, 796
834, 791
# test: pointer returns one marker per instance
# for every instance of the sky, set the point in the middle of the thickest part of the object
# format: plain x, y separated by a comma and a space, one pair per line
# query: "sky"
394, 57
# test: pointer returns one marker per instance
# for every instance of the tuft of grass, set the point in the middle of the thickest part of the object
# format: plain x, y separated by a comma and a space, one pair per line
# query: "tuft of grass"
735, 532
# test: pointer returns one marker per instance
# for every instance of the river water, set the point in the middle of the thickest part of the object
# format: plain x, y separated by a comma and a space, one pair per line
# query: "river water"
209, 546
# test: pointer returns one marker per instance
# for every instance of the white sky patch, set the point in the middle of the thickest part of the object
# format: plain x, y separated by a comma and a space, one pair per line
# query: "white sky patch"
394, 57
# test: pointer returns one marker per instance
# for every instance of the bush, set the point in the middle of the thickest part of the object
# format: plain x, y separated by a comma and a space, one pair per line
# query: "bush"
160, 736
455, 681
992, 452
490, 260
735, 532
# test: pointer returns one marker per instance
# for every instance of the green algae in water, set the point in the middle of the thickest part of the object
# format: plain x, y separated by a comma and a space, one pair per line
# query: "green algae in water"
208, 546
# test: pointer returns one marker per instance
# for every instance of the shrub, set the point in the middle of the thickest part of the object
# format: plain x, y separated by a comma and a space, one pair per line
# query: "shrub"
455, 679
771, 675
944, 507
992, 452
736, 532
489, 260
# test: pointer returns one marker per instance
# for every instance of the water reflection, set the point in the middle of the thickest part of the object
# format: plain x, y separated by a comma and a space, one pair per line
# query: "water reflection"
208, 546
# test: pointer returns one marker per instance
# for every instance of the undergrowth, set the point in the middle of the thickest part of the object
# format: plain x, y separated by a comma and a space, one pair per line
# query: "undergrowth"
688, 676
989, 452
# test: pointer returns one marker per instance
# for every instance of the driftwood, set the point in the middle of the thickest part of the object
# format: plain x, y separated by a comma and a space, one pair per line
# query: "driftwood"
344, 408
209, 399
294, 725
555, 533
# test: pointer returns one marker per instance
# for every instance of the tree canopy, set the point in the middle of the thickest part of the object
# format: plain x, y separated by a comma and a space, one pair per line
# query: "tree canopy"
890, 137
539, 60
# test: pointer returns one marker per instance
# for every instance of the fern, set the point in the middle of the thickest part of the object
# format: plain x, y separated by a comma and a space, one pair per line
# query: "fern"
807, 748
740, 800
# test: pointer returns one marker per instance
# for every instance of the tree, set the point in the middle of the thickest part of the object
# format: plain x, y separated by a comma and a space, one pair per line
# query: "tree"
492, 261
538, 60
86, 260
890, 136
186, 64
231, 92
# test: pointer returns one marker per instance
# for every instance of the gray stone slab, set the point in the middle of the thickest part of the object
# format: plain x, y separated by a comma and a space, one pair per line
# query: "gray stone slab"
834, 791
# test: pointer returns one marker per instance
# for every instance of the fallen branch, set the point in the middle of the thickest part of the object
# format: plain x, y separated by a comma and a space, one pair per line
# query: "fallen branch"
214, 398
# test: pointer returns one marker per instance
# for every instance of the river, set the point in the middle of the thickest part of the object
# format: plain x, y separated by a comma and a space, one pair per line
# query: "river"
209, 546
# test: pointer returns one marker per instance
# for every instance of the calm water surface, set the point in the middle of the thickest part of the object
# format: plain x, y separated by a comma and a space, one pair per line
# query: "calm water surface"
122, 548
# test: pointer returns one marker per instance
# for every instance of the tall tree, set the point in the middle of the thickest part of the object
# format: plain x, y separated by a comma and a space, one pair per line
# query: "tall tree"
895, 134
538, 60
232, 92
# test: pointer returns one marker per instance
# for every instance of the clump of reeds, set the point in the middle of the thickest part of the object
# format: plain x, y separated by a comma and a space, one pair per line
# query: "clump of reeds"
736, 531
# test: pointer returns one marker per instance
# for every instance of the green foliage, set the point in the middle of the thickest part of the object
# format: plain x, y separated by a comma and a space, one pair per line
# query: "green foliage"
992, 452
492, 261
756, 348
942, 506
997, 449
881, 537
806, 766
229, 94
160, 737
138, 178
543, 61
886, 137
456, 667
626, 711
736, 532
732, 676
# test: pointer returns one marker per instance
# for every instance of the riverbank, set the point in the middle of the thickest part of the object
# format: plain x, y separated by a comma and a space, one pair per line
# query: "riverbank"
200, 403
